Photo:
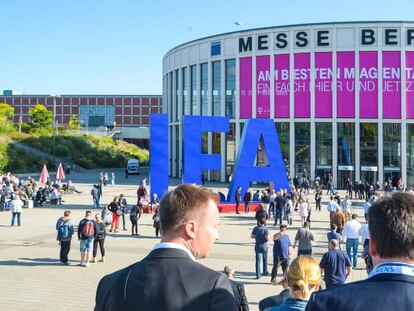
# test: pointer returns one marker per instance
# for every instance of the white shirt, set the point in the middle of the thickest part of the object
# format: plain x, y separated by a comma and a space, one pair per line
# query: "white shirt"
364, 232
16, 206
333, 206
351, 230
303, 209
346, 205
176, 246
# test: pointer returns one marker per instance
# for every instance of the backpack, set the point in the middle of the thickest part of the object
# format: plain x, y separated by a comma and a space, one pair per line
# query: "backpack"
64, 230
88, 229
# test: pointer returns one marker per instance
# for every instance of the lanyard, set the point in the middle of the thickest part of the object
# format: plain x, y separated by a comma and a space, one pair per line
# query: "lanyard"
393, 268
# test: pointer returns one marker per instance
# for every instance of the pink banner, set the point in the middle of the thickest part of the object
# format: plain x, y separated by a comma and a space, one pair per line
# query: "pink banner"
323, 84
409, 83
391, 84
345, 81
368, 84
263, 86
301, 85
282, 85
245, 87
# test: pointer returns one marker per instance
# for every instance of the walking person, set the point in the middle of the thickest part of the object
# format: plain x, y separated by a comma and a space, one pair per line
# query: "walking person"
16, 208
350, 235
95, 196
261, 236
247, 200
123, 205
303, 239
87, 232
318, 198
282, 248
116, 213
156, 221
335, 265
64, 228
134, 215
237, 198
261, 213
303, 211
346, 206
113, 179
100, 238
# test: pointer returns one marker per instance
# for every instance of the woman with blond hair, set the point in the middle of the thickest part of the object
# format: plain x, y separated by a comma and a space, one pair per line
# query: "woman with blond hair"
304, 278
100, 238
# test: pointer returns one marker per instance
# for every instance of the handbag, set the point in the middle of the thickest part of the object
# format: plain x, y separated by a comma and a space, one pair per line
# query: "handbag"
118, 212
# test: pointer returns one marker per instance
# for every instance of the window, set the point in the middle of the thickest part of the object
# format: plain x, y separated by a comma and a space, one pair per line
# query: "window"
323, 154
216, 88
215, 48
283, 134
204, 89
194, 105
230, 88
302, 149
186, 106
177, 93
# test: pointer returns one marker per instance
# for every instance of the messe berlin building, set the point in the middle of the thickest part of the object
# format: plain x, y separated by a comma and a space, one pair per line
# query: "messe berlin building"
341, 96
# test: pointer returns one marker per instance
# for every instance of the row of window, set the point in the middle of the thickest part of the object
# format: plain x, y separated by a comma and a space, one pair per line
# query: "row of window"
195, 93
346, 151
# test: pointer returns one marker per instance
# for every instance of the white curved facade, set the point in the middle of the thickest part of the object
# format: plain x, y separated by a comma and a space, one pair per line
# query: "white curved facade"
341, 96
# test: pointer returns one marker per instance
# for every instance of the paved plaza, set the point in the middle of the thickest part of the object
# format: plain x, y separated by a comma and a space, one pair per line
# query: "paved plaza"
33, 279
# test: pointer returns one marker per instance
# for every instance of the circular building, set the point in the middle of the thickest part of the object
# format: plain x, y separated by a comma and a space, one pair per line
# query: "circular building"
341, 96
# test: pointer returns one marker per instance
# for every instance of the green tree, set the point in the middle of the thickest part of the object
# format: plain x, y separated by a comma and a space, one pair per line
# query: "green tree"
74, 123
6, 117
42, 119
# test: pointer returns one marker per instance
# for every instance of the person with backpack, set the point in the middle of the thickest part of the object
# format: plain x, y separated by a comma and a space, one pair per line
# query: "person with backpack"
156, 221
64, 227
87, 232
100, 238
134, 215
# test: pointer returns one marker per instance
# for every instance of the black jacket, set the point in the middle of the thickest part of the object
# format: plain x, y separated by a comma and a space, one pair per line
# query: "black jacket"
380, 292
167, 279
274, 301
239, 294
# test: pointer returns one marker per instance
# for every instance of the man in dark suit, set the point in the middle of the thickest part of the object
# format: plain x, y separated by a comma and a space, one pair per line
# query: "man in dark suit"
391, 283
238, 289
169, 278
277, 300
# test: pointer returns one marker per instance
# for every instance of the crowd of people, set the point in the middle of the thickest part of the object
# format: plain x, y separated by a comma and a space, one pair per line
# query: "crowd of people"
189, 222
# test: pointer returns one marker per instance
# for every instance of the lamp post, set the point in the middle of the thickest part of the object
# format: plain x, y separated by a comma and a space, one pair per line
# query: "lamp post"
54, 128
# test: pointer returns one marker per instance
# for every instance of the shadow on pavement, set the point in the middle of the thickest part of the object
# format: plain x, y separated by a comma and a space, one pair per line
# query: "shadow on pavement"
29, 262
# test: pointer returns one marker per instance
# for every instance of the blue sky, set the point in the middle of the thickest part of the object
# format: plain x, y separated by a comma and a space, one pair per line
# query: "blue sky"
116, 47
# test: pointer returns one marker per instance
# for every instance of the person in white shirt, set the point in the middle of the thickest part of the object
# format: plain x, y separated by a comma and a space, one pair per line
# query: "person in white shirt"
303, 211
16, 208
332, 207
350, 235
366, 207
346, 205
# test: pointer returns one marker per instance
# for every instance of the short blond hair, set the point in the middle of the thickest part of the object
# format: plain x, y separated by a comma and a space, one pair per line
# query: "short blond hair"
304, 274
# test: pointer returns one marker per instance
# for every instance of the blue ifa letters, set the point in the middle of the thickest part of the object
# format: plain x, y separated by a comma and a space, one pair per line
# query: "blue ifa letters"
194, 161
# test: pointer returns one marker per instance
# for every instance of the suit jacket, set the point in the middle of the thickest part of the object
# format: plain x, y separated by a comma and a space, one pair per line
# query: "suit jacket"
380, 292
275, 301
239, 295
167, 279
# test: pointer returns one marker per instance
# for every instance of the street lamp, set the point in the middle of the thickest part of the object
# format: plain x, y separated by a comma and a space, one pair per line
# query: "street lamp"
54, 127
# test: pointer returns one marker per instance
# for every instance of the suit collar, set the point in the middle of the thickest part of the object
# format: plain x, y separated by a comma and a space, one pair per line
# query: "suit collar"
174, 246
392, 277
168, 253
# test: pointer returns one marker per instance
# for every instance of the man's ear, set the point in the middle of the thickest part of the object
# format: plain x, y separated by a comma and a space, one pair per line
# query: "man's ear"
372, 248
190, 228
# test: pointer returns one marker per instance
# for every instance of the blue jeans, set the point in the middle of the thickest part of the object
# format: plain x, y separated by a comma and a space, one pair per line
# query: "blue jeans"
352, 243
19, 219
261, 255
96, 202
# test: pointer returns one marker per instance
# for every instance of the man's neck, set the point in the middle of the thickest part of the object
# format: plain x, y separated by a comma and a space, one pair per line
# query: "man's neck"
378, 260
